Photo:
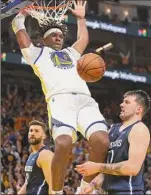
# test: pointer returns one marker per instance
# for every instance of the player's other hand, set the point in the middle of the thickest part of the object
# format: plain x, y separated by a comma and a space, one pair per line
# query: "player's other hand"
79, 9
88, 168
88, 189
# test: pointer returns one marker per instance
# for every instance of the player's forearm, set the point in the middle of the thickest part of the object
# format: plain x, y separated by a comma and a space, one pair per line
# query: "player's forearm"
20, 31
123, 168
82, 30
22, 191
98, 180
23, 39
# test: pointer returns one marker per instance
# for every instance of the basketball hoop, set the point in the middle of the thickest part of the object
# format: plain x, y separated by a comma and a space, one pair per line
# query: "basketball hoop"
46, 10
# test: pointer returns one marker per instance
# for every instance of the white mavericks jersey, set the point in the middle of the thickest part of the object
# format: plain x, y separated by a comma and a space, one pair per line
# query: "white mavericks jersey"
57, 70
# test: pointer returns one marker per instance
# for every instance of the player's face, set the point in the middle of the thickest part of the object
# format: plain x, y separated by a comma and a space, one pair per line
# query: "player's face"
130, 108
36, 135
54, 40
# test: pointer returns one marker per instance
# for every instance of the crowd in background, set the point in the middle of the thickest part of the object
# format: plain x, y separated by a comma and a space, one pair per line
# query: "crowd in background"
115, 17
119, 63
23, 103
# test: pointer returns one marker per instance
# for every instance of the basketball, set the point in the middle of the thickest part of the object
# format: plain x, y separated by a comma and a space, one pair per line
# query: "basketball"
91, 67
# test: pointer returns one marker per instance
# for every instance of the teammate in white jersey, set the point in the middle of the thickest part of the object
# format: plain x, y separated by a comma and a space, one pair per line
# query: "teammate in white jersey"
67, 95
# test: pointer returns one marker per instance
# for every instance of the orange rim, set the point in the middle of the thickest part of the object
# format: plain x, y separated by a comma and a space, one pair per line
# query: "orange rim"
45, 8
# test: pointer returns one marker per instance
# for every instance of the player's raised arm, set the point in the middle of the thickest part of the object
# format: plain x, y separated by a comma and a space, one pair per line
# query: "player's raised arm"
29, 51
82, 36
19, 29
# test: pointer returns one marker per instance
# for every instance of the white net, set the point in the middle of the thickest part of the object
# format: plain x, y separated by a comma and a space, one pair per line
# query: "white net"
46, 10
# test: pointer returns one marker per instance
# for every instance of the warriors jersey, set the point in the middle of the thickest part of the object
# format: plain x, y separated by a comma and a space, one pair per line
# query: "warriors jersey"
57, 70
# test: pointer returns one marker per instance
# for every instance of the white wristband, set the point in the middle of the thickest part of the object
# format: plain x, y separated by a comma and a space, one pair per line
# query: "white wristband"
18, 23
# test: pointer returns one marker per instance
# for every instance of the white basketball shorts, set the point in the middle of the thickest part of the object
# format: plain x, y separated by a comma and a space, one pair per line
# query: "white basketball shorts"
69, 113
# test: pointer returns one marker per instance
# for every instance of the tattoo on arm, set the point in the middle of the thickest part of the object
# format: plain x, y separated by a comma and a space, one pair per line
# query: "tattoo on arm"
112, 169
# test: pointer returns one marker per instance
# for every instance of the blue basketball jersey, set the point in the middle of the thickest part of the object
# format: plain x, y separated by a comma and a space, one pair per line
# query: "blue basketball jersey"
35, 180
118, 152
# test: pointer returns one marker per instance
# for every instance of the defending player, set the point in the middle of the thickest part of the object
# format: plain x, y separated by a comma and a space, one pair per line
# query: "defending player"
38, 166
129, 142
67, 95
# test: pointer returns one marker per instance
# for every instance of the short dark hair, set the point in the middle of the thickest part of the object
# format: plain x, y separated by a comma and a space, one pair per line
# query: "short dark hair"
53, 24
142, 98
39, 123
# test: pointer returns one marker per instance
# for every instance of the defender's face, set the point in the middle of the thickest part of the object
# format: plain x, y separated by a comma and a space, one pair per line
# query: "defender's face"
129, 108
36, 135
54, 40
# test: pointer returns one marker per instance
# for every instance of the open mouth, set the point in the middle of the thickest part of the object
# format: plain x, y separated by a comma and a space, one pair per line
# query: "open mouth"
32, 138
57, 44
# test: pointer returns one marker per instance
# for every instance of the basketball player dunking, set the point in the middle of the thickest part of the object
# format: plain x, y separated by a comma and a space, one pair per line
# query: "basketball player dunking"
38, 166
67, 95
129, 142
